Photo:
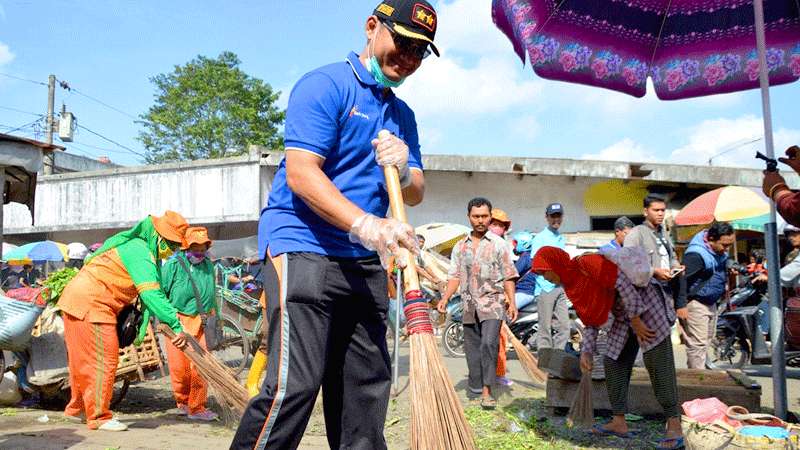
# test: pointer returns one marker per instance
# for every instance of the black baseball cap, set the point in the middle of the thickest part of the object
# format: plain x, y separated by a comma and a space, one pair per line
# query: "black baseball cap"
415, 19
554, 208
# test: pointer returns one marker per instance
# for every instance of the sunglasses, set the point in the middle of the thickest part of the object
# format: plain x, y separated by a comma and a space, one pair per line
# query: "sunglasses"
414, 47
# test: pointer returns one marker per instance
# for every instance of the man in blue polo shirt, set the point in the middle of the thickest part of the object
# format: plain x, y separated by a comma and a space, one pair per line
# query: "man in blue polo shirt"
551, 299
324, 234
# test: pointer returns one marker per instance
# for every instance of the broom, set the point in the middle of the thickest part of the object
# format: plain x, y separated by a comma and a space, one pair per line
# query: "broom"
231, 396
529, 362
437, 418
581, 413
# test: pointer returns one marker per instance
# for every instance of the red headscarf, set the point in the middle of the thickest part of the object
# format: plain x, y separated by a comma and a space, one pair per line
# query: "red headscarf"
589, 281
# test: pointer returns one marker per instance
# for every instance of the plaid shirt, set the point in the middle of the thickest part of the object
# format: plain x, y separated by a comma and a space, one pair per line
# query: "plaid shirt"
649, 303
481, 273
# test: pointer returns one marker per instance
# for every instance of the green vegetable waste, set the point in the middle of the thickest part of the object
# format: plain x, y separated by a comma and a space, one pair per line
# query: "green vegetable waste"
57, 281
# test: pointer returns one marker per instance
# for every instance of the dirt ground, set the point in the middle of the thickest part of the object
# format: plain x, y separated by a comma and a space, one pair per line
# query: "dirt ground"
520, 422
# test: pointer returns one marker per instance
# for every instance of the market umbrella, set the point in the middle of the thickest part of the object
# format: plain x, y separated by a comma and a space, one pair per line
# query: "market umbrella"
38, 251
689, 48
7, 248
442, 236
726, 204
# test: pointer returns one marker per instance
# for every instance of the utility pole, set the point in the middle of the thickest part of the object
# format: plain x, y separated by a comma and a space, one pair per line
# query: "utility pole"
49, 159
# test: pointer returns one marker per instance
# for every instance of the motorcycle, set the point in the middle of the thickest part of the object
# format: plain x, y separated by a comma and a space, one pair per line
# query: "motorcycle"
741, 336
525, 328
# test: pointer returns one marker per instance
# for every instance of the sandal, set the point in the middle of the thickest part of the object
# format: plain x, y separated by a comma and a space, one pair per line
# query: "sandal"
678, 442
488, 403
600, 430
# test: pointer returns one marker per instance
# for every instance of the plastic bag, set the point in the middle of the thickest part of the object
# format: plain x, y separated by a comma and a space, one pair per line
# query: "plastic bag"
708, 410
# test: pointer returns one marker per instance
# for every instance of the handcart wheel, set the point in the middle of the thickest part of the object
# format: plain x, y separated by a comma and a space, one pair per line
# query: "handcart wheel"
234, 349
120, 389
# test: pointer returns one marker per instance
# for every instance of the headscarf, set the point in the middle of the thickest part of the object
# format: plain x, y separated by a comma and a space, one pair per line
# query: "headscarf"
146, 231
634, 262
588, 280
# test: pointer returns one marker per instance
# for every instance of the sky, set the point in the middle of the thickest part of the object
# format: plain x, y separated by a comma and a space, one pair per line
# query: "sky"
477, 99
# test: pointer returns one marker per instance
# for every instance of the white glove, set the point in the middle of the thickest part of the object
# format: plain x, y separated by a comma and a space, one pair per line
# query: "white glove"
390, 150
385, 236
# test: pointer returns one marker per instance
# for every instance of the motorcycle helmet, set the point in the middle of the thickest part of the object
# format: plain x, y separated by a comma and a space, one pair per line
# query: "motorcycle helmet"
524, 241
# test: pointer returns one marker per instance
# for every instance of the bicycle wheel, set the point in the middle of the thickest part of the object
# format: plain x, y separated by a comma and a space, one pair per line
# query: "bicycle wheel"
234, 348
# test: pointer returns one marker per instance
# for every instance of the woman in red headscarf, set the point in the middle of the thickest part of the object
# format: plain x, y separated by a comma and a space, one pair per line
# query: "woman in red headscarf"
618, 282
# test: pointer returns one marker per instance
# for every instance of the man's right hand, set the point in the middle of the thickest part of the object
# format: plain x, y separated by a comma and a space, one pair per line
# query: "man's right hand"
792, 158
587, 362
385, 236
442, 306
662, 274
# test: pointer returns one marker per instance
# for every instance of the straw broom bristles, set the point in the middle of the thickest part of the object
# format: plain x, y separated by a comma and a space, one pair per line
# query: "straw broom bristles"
581, 413
437, 417
529, 362
231, 396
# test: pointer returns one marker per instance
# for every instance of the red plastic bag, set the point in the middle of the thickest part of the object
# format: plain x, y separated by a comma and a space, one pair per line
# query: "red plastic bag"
708, 410
28, 295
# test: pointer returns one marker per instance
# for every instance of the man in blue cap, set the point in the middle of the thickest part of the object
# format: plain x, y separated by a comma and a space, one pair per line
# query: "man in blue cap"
551, 299
324, 234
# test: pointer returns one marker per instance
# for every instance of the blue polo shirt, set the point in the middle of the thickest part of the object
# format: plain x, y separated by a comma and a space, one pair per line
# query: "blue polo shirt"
546, 238
335, 112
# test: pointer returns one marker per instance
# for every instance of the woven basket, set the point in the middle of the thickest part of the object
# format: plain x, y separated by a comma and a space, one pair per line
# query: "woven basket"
719, 436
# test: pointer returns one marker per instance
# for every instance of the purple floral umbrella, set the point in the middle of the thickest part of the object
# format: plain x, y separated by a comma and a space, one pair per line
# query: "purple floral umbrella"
689, 48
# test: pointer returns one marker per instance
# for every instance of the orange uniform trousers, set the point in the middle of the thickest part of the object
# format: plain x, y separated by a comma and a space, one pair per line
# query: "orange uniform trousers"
501, 354
188, 387
92, 353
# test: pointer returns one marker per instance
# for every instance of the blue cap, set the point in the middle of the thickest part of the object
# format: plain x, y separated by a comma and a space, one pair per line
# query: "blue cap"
554, 208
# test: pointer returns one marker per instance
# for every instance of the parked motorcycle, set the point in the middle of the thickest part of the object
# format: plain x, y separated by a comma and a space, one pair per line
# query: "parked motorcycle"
525, 328
741, 336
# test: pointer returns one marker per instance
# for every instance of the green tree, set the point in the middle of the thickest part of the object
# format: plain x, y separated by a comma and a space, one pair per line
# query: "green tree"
209, 108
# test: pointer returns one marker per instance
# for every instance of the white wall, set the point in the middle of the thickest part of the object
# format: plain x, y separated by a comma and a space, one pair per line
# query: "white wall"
524, 199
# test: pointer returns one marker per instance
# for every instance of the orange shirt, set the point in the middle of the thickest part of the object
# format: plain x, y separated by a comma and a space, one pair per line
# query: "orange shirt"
100, 290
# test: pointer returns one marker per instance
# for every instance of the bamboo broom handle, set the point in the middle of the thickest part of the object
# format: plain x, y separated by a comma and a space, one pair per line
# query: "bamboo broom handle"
392, 175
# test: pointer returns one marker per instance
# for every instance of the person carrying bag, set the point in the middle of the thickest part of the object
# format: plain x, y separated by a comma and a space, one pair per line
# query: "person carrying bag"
189, 285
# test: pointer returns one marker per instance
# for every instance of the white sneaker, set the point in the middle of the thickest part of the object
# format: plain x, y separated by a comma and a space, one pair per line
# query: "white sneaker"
113, 425
206, 416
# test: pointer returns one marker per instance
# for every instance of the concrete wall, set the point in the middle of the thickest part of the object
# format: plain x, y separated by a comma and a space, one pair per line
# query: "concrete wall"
208, 192
67, 162
523, 198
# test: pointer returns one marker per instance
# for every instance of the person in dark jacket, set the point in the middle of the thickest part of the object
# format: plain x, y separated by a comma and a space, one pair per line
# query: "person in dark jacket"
706, 280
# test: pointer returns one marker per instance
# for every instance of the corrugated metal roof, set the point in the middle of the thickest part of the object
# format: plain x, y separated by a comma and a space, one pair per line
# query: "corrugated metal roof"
35, 143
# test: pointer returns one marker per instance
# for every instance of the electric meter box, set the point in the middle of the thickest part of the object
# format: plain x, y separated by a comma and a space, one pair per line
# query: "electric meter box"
66, 126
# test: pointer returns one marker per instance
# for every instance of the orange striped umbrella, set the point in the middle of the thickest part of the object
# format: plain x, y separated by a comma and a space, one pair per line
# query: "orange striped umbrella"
727, 203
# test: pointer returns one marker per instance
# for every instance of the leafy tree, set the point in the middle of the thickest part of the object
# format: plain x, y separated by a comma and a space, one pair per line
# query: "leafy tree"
209, 108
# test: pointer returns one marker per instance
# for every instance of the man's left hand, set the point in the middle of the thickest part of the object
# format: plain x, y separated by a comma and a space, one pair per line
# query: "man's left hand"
511, 309
390, 150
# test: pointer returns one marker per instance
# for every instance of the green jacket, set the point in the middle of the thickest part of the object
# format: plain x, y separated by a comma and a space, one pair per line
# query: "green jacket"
176, 284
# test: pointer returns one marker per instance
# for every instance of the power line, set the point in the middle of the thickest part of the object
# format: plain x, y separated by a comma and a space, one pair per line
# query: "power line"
20, 111
112, 141
68, 87
102, 149
23, 126
23, 79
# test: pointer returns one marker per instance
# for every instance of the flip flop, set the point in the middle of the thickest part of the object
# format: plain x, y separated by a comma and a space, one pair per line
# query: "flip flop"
488, 403
679, 443
598, 430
